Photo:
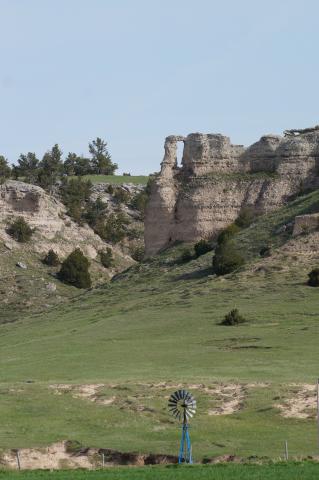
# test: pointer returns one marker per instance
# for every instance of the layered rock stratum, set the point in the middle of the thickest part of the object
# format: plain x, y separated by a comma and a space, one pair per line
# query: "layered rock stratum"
217, 179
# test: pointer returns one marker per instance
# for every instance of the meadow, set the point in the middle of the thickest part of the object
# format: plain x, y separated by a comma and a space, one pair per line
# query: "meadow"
289, 471
156, 327
117, 179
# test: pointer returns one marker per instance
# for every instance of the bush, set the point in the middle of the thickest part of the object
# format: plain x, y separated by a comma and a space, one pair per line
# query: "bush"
186, 255
313, 280
73, 446
265, 252
139, 202
75, 193
121, 195
5, 170
137, 253
233, 318
107, 258
75, 270
110, 189
226, 259
246, 217
228, 233
20, 230
95, 212
114, 229
202, 247
51, 259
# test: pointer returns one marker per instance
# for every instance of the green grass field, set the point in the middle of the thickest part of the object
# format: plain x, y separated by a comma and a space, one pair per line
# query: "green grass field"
117, 179
159, 322
289, 471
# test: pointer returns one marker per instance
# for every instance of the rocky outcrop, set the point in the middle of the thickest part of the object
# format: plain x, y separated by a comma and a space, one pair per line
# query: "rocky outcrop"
216, 179
53, 228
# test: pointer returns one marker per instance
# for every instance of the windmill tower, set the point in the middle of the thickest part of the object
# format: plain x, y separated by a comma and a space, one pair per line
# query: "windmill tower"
182, 406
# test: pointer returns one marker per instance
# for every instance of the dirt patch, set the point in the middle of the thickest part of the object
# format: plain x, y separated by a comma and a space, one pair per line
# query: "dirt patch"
302, 404
53, 457
87, 391
57, 456
231, 397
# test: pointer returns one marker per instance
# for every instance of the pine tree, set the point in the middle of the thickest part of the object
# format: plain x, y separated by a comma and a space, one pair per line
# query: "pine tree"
101, 159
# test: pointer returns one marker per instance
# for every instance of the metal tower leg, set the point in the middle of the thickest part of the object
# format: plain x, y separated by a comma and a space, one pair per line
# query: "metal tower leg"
185, 451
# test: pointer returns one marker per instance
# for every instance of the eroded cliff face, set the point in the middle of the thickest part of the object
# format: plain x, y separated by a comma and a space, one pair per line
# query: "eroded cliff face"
217, 179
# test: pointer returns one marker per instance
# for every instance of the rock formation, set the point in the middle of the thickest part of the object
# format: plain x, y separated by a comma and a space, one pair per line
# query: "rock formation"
53, 228
216, 179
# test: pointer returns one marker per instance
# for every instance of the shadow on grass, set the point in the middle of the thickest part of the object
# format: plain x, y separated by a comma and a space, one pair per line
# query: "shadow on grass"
204, 272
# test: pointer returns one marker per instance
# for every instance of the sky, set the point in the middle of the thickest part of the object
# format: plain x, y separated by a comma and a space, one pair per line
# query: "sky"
135, 71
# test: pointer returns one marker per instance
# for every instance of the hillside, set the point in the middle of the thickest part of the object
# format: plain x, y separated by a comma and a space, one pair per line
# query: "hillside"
35, 286
111, 356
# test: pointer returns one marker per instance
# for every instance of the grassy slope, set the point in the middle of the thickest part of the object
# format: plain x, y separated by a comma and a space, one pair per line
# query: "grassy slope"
118, 179
289, 471
159, 322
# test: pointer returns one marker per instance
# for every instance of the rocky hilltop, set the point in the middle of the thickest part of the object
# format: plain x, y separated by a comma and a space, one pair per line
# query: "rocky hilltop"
217, 179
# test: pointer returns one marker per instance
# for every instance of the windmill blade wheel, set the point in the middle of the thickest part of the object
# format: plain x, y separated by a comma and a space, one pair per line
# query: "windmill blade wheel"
182, 405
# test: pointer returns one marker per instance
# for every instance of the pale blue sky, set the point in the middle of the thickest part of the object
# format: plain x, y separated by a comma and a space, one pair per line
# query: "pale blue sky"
134, 71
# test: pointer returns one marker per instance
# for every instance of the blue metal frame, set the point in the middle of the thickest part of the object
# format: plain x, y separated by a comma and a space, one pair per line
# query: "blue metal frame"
185, 451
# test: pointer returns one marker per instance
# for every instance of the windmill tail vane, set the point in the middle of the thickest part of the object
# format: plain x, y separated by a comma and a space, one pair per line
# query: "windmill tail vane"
182, 406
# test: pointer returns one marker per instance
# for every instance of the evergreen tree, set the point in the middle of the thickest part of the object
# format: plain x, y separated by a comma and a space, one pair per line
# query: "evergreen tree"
75, 165
75, 270
5, 170
51, 259
101, 159
226, 258
28, 167
51, 167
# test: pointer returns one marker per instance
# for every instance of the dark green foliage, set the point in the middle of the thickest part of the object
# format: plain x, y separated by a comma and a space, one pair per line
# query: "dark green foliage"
110, 189
5, 170
265, 251
20, 230
75, 270
51, 167
28, 167
75, 165
233, 318
186, 255
101, 159
227, 234
150, 182
139, 201
75, 193
202, 247
95, 213
226, 258
107, 258
121, 195
137, 253
114, 228
313, 280
246, 217
134, 233
51, 259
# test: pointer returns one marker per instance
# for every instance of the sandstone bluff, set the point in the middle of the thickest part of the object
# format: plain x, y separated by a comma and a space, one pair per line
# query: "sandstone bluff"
216, 179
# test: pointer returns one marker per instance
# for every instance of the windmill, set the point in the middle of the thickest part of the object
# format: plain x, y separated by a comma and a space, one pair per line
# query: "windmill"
182, 406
